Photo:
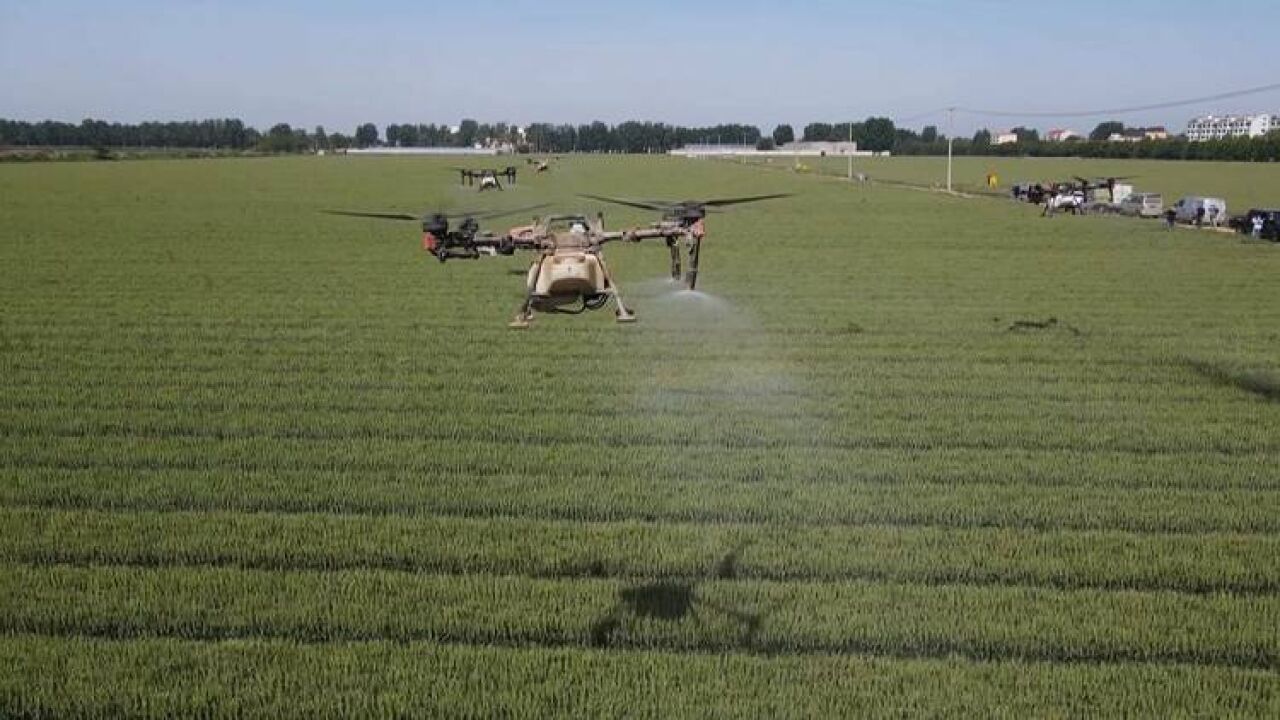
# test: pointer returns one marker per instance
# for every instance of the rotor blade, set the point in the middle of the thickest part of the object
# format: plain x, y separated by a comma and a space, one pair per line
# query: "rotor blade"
643, 205
514, 211
380, 216
722, 202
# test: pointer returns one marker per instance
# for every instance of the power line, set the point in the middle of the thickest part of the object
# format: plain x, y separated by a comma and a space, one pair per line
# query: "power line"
1090, 113
1122, 110
921, 116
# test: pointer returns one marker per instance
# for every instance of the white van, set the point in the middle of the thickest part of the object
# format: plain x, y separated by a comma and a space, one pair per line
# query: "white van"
1186, 209
1142, 204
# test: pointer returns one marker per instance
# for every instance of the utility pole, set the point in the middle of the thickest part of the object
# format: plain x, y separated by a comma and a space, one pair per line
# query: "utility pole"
849, 150
951, 139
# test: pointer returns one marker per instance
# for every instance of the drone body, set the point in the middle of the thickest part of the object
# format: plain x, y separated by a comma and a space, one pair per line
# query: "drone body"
486, 179
539, 166
569, 274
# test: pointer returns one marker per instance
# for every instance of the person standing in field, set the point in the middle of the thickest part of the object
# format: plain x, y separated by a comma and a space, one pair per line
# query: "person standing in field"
1200, 216
1258, 222
1170, 217
1213, 216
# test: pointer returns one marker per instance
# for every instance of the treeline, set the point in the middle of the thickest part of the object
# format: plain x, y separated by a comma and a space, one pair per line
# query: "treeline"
233, 134
1240, 149
634, 137
227, 133
878, 134
220, 134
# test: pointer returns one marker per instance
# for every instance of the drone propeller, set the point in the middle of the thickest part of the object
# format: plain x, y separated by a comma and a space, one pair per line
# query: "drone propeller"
473, 214
1104, 181
690, 214
724, 202
380, 216
641, 204
676, 205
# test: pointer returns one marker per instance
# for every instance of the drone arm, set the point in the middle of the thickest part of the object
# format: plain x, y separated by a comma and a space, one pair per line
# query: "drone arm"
461, 247
664, 231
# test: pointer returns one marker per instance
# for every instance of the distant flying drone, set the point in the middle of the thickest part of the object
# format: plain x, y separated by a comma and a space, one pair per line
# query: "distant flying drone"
569, 274
539, 166
487, 178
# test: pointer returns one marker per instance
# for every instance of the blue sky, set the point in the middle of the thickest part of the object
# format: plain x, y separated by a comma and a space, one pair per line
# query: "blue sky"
341, 63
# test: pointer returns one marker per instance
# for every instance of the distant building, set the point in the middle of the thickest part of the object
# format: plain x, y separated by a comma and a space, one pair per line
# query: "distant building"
1004, 138
793, 149
1214, 127
385, 150
1057, 135
1138, 134
822, 147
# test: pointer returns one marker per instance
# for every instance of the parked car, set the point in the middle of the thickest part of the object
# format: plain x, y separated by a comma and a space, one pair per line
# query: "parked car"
1142, 205
1243, 224
1186, 209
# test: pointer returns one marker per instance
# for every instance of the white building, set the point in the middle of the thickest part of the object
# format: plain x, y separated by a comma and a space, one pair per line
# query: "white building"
1214, 127
1004, 138
793, 149
382, 150
1138, 134
1059, 135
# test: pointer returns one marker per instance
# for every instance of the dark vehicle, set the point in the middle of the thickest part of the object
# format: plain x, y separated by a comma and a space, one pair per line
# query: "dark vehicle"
1243, 224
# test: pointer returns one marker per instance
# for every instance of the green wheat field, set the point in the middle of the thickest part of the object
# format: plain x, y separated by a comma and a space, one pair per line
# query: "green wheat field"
908, 453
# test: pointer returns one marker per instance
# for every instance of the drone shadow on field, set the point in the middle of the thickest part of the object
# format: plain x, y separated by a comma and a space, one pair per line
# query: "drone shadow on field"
674, 601
1254, 382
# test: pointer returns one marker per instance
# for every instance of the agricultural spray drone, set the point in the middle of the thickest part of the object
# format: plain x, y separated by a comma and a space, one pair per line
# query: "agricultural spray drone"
569, 274
487, 178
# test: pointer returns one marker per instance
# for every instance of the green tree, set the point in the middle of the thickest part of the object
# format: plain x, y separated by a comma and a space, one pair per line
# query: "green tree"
818, 132
878, 134
468, 130
783, 134
281, 138
409, 135
367, 135
1026, 135
929, 134
1106, 130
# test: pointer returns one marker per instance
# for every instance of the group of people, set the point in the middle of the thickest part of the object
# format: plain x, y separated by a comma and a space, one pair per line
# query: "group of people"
1256, 224
1171, 217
